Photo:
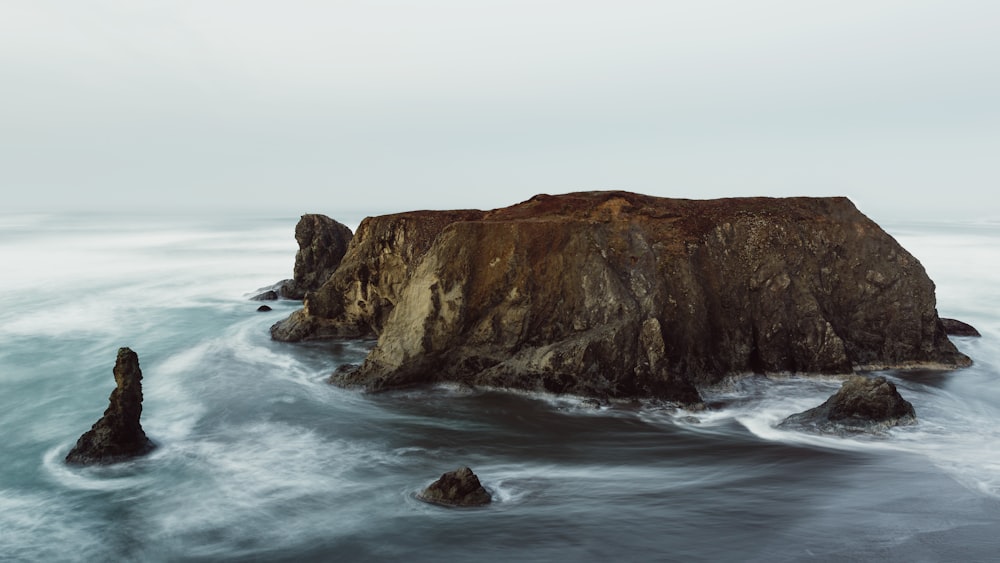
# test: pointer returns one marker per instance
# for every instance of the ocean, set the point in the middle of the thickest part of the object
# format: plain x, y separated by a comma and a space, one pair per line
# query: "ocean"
259, 459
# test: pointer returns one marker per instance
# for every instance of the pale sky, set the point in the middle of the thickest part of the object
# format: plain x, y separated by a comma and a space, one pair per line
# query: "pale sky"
374, 105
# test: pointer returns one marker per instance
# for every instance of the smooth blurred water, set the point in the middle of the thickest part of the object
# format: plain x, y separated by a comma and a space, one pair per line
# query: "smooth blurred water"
260, 459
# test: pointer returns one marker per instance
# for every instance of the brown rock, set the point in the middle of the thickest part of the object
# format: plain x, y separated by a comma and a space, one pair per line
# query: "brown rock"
861, 405
614, 294
356, 300
457, 488
118, 435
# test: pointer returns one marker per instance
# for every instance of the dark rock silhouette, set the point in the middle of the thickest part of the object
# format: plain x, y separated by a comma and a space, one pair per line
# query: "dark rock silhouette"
958, 328
322, 244
616, 295
457, 488
861, 405
269, 295
263, 309
118, 435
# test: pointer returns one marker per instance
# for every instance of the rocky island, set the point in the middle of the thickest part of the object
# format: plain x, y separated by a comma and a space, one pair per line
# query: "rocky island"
460, 487
617, 295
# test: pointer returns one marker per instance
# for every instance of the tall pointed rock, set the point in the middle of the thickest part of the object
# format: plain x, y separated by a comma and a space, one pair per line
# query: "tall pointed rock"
118, 435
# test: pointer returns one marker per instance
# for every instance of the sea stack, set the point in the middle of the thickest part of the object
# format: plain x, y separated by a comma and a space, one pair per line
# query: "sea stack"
322, 244
457, 488
622, 295
861, 405
118, 435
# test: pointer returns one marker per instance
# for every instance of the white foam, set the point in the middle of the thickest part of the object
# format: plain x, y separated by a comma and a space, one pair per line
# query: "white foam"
951, 432
245, 478
39, 528
115, 477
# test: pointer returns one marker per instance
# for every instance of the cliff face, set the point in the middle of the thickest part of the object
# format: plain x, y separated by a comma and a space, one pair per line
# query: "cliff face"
617, 294
355, 300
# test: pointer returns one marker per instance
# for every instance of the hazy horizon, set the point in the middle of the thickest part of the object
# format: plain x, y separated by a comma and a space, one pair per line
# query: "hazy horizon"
379, 106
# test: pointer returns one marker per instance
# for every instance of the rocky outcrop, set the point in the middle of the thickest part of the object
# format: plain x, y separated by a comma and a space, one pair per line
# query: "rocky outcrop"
269, 295
322, 245
356, 300
118, 435
861, 405
614, 294
457, 488
958, 328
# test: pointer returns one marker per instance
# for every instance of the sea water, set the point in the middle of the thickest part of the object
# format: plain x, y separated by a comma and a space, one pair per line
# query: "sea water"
260, 459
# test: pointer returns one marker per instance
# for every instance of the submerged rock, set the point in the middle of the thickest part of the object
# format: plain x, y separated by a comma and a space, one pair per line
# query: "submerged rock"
457, 488
861, 405
618, 295
263, 309
118, 435
322, 245
958, 328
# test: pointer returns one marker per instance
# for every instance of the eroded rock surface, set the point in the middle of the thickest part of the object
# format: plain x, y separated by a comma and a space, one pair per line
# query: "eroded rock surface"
457, 488
322, 245
118, 435
861, 405
356, 300
615, 294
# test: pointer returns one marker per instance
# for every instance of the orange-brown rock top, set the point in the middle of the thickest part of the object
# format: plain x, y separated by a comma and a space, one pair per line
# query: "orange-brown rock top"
616, 294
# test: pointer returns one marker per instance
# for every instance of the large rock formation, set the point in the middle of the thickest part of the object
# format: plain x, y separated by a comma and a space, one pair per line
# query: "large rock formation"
861, 405
118, 435
322, 244
614, 294
457, 488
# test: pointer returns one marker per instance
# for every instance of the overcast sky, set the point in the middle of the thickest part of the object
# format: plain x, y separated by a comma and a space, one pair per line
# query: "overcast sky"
376, 105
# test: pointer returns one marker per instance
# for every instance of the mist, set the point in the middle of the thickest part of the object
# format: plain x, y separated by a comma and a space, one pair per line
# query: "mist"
387, 106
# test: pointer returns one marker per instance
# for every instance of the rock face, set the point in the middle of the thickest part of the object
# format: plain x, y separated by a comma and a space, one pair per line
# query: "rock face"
322, 245
357, 299
457, 488
615, 294
118, 435
958, 328
861, 405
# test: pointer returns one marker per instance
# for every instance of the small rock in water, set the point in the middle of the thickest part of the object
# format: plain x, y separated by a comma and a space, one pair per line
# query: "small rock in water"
263, 309
118, 435
861, 405
457, 488
270, 295
958, 328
